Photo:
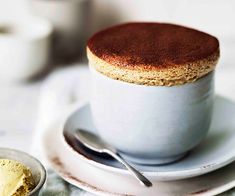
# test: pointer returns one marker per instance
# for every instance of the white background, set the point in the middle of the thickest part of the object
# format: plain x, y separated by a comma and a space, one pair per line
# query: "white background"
214, 16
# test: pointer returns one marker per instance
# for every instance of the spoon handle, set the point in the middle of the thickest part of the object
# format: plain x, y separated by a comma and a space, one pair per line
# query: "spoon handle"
142, 179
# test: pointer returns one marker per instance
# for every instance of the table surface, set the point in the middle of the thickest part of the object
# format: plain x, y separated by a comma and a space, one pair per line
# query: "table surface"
19, 106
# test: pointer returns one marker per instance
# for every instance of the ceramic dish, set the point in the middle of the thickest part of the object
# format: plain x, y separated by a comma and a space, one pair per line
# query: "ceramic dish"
71, 28
37, 169
24, 48
216, 151
103, 180
172, 119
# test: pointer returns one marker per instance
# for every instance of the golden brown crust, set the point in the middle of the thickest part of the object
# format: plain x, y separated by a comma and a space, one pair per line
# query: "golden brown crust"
153, 53
168, 77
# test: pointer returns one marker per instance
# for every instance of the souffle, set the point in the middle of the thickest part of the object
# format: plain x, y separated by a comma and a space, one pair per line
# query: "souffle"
155, 54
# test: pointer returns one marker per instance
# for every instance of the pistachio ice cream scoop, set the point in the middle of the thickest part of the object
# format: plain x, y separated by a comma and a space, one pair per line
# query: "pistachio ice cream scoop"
15, 178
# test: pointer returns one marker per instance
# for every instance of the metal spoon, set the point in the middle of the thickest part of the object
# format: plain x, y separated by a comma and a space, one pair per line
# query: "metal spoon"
95, 143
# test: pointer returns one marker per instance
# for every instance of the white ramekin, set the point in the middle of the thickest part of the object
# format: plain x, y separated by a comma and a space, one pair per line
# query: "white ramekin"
152, 124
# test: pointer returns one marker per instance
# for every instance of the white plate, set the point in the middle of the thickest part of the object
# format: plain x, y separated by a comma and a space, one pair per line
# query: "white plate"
102, 180
216, 151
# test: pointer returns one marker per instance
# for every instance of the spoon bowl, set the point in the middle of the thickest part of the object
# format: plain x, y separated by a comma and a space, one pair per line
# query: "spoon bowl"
92, 141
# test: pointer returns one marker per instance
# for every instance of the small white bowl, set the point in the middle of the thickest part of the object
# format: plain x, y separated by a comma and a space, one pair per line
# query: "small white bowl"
24, 48
37, 169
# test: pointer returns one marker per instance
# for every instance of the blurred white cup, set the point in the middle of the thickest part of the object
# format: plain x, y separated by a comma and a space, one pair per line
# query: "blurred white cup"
70, 19
24, 48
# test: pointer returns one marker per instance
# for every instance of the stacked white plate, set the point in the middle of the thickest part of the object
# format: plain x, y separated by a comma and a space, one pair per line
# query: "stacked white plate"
207, 170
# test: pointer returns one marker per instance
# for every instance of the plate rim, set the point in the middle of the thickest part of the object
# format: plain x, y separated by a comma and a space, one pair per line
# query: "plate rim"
79, 183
